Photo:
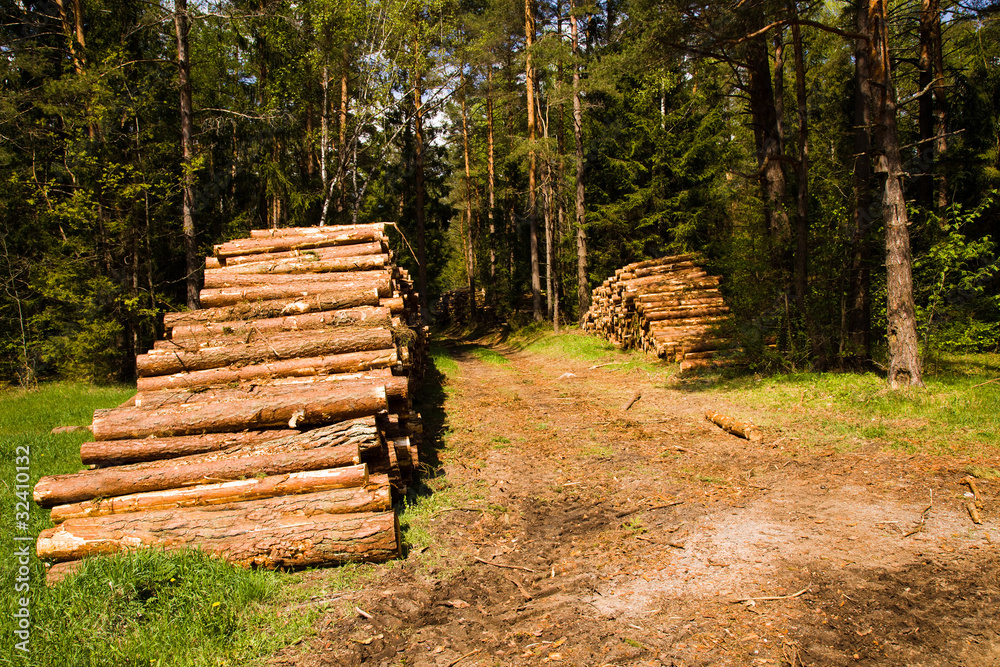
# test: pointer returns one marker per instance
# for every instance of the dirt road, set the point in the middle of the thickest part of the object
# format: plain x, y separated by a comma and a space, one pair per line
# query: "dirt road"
589, 535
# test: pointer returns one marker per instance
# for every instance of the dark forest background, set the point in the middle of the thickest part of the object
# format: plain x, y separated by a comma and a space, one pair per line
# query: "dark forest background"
753, 132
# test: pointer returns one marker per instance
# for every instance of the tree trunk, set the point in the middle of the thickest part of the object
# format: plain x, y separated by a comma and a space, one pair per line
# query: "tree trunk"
315, 405
470, 256
529, 72
856, 344
336, 300
346, 480
418, 165
582, 284
278, 243
490, 174
278, 259
904, 352
802, 197
192, 262
247, 536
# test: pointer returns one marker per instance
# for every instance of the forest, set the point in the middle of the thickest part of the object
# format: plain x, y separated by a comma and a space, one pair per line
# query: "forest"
836, 162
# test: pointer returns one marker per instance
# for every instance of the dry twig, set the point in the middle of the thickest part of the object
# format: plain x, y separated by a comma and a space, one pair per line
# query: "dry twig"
774, 597
512, 567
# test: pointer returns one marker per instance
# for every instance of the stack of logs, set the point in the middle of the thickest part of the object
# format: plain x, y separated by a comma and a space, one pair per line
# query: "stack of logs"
272, 425
453, 306
670, 306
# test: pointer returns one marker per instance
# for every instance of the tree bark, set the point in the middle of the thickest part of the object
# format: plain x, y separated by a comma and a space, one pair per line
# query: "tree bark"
582, 284
347, 479
248, 331
315, 405
856, 344
331, 236
104, 453
470, 256
234, 296
904, 351
491, 174
277, 259
192, 262
529, 71
337, 300
350, 362
243, 537
418, 166
362, 264
145, 477
290, 345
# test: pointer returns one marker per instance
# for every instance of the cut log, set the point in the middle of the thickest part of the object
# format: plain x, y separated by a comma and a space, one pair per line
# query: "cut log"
744, 430
276, 232
304, 242
123, 480
245, 537
241, 277
311, 255
279, 390
315, 404
350, 362
285, 345
231, 296
394, 304
194, 335
681, 313
301, 267
242, 490
117, 452
334, 300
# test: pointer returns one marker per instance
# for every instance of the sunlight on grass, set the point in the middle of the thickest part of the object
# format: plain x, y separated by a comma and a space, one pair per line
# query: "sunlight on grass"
958, 411
442, 361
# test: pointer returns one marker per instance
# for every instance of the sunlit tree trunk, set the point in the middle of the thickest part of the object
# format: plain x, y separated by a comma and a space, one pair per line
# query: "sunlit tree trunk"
418, 167
904, 353
529, 72
192, 264
582, 284
470, 257
490, 172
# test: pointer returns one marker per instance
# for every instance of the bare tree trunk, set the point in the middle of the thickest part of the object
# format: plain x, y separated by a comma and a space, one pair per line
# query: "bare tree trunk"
582, 285
418, 142
324, 141
490, 171
547, 215
855, 346
904, 351
342, 128
192, 265
529, 71
470, 257
802, 197
779, 84
940, 109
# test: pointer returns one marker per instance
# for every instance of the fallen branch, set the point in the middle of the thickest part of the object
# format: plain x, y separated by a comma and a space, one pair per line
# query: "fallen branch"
923, 515
610, 363
510, 567
773, 597
461, 658
974, 513
971, 483
364, 614
747, 431
632, 402
983, 383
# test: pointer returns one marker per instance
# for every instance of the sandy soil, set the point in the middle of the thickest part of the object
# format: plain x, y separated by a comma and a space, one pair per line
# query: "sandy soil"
590, 535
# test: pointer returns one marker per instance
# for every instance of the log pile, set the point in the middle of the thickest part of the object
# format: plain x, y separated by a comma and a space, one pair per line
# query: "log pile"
453, 307
271, 426
670, 306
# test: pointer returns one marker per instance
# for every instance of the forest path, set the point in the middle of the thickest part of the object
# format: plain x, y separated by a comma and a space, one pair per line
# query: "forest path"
590, 535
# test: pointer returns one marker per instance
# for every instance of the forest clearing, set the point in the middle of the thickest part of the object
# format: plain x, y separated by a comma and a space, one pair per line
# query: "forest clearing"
555, 526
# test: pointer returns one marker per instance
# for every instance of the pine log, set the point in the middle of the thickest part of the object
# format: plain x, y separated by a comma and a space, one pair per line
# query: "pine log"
245, 537
747, 431
117, 452
310, 255
223, 466
334, 300
349, 362
287, 345
300, 266
394, 304
671, 259
277, 232
279, 390
231, 296
242, 490
313, 405
662, 269
242, 277
253, 329
681, 313
303, 242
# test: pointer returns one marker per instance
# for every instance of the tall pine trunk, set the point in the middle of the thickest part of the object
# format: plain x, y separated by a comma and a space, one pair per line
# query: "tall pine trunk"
529, 72
470, 256
582, 285
192, 265
490, 172
418, 167
904, 352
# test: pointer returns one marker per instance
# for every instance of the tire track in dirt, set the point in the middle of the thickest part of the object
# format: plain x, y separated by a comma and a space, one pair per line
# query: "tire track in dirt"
623, 538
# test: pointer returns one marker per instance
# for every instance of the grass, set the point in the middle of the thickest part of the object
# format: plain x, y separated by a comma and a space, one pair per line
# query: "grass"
957, 413
575, 344
145, 608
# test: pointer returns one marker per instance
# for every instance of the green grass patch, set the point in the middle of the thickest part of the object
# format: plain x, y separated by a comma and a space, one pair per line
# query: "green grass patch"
442, 361
489, 356
957, 413
575, 344
145, 608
